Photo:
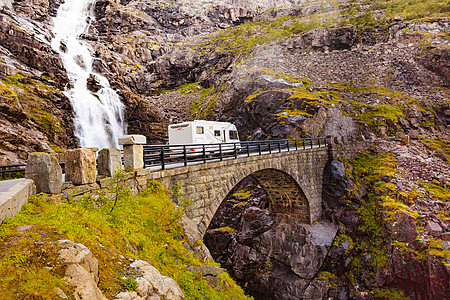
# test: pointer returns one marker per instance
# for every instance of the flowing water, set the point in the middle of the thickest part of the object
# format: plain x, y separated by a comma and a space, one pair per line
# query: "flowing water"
98, 117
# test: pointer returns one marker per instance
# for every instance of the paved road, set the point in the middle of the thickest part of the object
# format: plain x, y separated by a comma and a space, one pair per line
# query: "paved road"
5, 185
190, 163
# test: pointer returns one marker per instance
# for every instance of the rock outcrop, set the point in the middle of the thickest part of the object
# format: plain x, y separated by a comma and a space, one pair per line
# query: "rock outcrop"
82, 270
152, 285
82, 273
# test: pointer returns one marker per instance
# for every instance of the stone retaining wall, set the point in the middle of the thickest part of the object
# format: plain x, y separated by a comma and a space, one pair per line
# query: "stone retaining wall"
13, 195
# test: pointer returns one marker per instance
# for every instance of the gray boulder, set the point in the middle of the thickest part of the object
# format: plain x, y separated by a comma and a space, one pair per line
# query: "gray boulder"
44, 170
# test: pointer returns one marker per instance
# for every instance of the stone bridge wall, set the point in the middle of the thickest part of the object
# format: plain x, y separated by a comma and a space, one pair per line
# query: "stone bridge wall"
208, 184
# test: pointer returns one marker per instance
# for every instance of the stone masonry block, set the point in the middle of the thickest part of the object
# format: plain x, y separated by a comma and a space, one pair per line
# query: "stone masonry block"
133, 157
109, 160
45, 171
133, 140
80, 166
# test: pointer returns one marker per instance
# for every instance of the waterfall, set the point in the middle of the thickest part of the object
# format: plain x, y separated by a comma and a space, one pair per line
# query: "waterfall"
98, 117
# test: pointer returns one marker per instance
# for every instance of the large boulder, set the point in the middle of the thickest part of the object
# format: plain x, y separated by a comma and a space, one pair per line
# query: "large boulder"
80, 166
109, 160
45, 171
153, 282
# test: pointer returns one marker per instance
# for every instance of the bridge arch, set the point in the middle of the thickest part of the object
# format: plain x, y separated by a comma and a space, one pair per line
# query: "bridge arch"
286, 194
292, 181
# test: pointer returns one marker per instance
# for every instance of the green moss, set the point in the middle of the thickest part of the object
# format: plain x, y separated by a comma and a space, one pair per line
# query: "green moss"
186, 89
249, 35
444, 215
203, 103
241, 194
395, 206
56, 148
47, 121
227, 229
436, 191
328, 277
286, 113
439, 145
435, 248
390, 294
343, 238
363, 15
8, 95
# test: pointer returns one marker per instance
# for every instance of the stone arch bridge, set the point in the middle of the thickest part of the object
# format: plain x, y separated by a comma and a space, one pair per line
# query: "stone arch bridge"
292, 181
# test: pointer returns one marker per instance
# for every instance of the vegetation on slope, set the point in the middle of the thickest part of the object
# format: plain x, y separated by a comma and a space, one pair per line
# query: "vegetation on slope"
117, 229
370, 250
365, 13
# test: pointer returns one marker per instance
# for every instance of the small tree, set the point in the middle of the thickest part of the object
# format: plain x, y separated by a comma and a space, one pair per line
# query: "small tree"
118, 188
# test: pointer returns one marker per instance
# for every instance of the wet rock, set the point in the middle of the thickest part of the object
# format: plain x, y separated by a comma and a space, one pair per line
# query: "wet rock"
93, 83
434, 228
405, 228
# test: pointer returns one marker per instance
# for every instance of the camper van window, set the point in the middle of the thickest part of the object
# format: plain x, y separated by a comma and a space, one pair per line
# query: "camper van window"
200, 130
233, 135
216, 132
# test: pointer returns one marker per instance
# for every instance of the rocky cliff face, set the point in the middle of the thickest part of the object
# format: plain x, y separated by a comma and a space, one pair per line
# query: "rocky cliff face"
255, 63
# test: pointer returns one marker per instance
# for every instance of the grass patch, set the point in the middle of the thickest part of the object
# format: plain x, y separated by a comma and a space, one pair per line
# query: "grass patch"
439, 145
143, 227
364, 15
436, 191
390, 294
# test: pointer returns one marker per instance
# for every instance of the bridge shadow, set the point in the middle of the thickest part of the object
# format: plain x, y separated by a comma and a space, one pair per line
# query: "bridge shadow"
284, 194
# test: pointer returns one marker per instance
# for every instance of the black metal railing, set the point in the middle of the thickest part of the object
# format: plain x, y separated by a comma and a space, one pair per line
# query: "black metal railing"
19, 169
164, 155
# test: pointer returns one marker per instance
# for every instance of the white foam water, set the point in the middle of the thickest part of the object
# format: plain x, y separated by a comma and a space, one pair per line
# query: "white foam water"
98, 117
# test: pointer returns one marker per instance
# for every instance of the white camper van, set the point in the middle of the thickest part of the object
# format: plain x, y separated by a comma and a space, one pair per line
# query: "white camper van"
202, 132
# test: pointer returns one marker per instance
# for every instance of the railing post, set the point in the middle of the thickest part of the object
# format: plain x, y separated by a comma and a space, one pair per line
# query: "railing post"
220, 152
279, 146
204, 154
287, 143
133, 151
163, 165
311, 142
248, 149
296, 145
235, 151
303, 142
184, 155
259, 147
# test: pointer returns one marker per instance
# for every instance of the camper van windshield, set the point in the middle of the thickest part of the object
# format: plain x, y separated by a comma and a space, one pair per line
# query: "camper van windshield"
233, 135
